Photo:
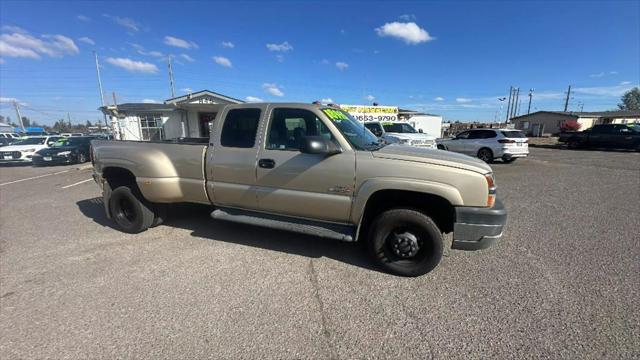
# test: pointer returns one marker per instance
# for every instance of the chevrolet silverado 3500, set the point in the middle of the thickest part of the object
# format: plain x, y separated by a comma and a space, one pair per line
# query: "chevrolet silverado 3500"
311, 169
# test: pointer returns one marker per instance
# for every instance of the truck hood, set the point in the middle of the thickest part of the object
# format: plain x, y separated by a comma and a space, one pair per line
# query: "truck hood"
432, 156
411, 136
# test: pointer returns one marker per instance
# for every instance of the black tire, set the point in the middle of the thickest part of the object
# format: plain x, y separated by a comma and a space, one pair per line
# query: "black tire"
130, 211
382, 242
486, 155
509, 161
573, 144
441, 147
81, 158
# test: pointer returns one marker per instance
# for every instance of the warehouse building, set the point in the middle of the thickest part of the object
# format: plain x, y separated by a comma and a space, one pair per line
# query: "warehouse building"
548, 122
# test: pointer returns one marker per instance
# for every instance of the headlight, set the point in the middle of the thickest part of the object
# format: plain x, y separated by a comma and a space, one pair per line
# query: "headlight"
29, 150
64, 153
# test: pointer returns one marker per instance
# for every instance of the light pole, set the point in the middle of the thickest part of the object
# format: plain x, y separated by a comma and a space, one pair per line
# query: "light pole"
530, 96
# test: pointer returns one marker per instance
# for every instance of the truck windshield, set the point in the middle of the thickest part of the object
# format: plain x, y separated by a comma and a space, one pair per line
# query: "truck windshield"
399, 128
355, 132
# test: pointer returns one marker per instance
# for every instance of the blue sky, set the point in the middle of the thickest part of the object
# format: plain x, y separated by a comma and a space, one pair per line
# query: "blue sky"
449, 58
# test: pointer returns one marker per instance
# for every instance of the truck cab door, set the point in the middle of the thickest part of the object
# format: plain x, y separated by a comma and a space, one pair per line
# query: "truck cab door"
289, 182
231, 157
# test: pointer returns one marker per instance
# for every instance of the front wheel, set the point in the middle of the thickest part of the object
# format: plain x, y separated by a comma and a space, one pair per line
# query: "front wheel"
441, 147
405, 242
130, 211
82, 158
509, 161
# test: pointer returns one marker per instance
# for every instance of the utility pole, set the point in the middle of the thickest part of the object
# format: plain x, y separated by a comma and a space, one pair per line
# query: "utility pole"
115, 103
173, 90
509, 104
69, 119
530, 96
566, 101
515, 102
15, 105
95, 55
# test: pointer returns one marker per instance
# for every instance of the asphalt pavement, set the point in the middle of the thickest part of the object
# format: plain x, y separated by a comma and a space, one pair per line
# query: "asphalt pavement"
563, 282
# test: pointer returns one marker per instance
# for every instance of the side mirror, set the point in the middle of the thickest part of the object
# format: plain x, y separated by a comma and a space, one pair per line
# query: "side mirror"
420, 131
319, 145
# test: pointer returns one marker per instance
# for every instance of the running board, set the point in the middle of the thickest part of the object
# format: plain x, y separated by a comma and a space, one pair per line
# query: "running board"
309, 227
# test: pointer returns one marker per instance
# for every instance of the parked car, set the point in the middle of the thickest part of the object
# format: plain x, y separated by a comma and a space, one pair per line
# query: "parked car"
311, 169
24, 149
489, 144
4, 141
400, 133
9, 135
71, 134
621, 136
69, 150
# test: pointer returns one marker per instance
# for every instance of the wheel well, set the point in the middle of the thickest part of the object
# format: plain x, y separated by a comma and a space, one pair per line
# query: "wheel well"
484, 147
434, 206
116, 177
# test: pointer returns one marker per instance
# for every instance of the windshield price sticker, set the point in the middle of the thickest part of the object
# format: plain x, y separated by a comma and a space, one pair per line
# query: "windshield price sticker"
335, 115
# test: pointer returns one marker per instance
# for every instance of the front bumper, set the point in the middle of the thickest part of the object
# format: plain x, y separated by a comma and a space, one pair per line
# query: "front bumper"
53, 159
478, 228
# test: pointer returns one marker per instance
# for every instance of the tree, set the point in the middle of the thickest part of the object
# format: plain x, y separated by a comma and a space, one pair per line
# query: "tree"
630, 100
88, 125
26, 122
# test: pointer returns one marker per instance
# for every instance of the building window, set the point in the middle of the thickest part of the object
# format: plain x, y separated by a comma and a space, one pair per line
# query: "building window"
151, 127
525, 125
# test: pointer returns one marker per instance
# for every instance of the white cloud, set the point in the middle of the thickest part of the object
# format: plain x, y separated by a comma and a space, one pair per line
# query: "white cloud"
439, 98
280, 58
187, 58
124, 22
228, 44
342, 65
87, 40
613, 72
222, 61
22, 44
83, 18
149, 101
407, 17
155, 54
370, 97
324, 62
140, 50
409, 32
14, 29
598, 75
625, 83
253, 99
284, 47
272, 89
11, 100
463, 100
327, 101
187, 90
181, 43
132, 65
611, 91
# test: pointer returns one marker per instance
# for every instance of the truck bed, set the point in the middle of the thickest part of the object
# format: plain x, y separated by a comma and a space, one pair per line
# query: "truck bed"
165, 172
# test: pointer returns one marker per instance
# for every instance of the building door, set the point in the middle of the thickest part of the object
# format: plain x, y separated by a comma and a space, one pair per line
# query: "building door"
205, 121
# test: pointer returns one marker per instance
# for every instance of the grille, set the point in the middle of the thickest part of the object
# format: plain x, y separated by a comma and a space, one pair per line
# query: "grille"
15, 154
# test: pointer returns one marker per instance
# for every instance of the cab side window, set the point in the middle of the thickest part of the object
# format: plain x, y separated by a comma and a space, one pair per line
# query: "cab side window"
240, 128
289, 127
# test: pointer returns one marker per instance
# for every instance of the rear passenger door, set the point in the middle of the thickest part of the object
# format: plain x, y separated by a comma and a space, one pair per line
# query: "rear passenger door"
231, 157
293, 183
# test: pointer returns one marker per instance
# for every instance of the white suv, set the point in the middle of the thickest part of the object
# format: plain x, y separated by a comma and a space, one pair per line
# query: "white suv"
489, 144
23, 149
401, 133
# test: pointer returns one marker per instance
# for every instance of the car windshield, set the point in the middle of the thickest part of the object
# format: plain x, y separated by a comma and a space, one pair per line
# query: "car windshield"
68, 142
399, 128
30, 141
355, 132
514, 134
634, 127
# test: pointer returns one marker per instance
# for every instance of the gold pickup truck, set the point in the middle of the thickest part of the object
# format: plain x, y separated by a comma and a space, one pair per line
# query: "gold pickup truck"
311, 169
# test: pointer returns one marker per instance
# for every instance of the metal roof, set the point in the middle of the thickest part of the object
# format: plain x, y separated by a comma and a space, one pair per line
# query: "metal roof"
576, 114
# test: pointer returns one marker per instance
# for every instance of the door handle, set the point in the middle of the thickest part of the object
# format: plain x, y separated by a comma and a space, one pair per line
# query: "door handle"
267, 163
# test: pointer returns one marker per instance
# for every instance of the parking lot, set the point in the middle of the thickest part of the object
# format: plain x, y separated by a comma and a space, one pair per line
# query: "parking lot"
562, 283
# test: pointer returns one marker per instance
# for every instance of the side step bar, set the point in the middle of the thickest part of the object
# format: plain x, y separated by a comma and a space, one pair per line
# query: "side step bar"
309, 227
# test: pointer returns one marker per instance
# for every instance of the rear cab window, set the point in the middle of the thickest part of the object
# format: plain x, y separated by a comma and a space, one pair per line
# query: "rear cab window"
240, 128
